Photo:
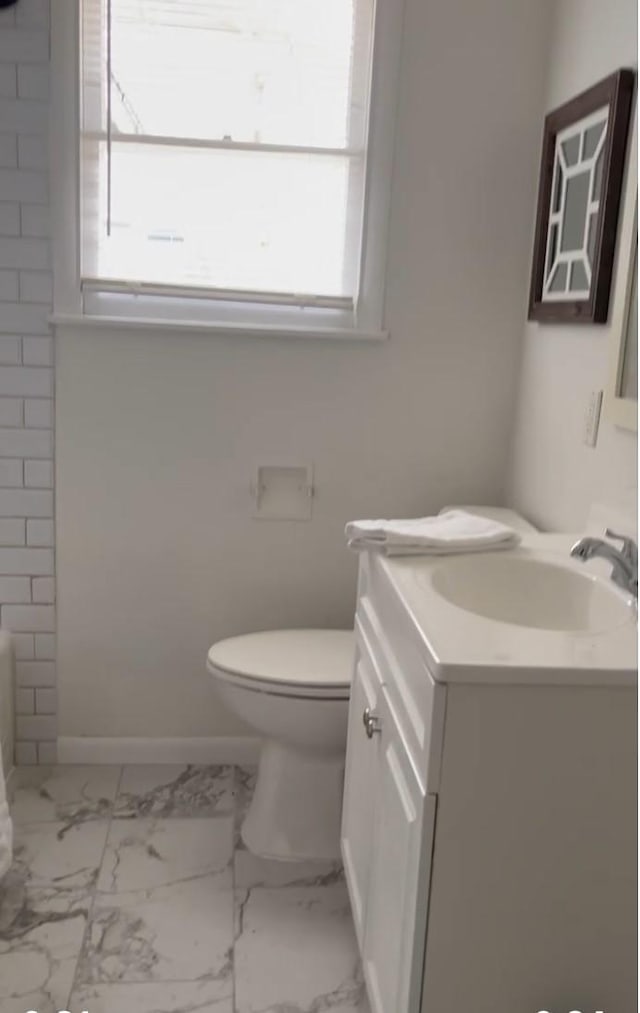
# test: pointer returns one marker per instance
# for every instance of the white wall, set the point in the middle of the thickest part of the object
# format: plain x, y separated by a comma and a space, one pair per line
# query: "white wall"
158, 434
553, 476
26, 376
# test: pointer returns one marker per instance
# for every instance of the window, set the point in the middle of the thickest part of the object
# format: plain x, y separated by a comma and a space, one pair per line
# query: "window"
225, 168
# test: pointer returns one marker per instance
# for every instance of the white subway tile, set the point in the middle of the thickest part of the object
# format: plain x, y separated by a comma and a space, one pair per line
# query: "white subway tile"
10, 473
10, 350
45, 648
15, 590
27, 562
26, 442
33, 81
36, 286
24, 46
48, 752
23, 318
19, 252
11, 411
43, 591
25, 702
24, 116
33, 13
35, 673
40, 532
45, 701
8, 285
28, 618
38, 413
23, 184
27, 503
9, 218
38, 727
12, 532
25, 382
33, 152
37, 351
8, 153
35, 220
23, 646
26, 754
37, 474
8, 78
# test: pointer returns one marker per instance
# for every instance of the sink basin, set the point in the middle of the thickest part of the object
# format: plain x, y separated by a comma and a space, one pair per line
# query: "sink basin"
517, 588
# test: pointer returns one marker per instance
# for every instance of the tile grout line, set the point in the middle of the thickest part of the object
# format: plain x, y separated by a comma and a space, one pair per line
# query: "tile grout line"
92, 903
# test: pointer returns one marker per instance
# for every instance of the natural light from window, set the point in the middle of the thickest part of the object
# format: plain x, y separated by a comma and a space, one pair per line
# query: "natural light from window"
235, 157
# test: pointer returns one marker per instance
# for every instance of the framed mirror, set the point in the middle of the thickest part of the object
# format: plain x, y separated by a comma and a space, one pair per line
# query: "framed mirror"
621, 395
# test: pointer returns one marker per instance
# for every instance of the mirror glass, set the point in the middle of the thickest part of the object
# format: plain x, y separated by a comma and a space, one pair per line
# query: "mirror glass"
575, 206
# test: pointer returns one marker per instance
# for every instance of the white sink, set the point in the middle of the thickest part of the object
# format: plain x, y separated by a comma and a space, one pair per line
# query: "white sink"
517, 588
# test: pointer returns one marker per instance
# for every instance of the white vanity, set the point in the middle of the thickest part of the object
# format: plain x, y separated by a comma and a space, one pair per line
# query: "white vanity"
489, 822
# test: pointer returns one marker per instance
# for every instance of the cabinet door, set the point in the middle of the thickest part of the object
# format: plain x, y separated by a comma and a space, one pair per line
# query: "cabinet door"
394, 940
359, 789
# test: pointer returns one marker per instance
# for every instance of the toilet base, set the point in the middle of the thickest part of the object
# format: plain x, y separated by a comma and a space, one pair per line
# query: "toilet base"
296, 808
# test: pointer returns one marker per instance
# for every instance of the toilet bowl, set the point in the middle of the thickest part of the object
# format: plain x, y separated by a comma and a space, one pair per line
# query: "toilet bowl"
292, 687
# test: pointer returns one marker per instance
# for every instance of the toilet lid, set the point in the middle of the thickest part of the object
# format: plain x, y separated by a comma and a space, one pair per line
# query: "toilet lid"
319, 658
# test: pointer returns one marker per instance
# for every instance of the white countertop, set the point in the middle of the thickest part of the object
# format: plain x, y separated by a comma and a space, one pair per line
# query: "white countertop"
461, 646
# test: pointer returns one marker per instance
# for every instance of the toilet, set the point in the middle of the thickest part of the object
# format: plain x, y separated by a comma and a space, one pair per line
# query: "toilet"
292, 687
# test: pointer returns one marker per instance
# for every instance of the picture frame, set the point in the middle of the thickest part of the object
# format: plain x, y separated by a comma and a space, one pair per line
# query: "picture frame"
581, 174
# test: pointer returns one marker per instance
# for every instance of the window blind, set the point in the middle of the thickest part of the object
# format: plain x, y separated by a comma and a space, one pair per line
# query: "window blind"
223, 147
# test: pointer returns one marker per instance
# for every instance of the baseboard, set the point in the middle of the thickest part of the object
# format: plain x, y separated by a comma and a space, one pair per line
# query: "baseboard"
220, 749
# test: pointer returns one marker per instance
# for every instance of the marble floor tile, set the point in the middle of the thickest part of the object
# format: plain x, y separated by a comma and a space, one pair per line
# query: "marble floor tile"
164, 997
41, 933
243, 788
251, 871
56, 855
65, 793
179, 932
171, 790
143, 854
295, 951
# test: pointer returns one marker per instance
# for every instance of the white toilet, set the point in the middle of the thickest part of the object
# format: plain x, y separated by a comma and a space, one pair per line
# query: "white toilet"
292, 687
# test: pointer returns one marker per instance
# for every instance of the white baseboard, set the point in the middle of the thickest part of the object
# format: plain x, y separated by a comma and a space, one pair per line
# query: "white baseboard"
221, 749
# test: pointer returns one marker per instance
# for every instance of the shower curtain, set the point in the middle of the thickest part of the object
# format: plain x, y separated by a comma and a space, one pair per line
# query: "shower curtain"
6, 829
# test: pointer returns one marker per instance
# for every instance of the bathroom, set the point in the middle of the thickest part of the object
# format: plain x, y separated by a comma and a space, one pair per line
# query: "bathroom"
132, 456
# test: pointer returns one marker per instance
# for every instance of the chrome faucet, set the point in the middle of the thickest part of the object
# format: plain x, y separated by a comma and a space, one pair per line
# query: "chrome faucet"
624, 561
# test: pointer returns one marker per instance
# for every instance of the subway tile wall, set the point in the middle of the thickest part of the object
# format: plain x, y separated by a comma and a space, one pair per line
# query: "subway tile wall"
27, 562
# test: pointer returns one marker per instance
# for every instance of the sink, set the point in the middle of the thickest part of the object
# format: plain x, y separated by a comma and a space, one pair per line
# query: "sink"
526, 590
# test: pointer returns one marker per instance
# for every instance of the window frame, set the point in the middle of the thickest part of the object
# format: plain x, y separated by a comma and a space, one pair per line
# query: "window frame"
104, 310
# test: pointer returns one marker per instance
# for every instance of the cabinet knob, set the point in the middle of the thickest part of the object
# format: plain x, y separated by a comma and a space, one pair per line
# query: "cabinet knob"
371, 723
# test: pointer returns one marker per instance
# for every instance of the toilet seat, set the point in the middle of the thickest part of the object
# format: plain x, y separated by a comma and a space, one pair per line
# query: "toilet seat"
306, 663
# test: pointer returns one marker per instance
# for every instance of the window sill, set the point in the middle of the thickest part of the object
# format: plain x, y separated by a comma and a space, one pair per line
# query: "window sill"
120, 323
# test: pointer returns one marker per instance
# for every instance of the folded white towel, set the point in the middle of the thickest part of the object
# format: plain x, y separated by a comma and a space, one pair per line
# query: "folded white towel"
450, 532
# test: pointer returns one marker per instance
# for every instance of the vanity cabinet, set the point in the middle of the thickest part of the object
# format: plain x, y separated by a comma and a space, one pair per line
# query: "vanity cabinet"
488, 829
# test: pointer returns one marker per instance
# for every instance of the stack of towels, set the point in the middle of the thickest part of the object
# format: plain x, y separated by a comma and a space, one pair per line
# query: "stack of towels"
450, 532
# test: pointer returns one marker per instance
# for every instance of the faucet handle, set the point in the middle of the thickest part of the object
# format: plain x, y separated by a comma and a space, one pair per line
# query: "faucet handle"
629, 547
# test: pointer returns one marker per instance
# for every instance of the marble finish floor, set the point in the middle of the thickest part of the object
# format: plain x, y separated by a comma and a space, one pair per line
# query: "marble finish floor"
131, 892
